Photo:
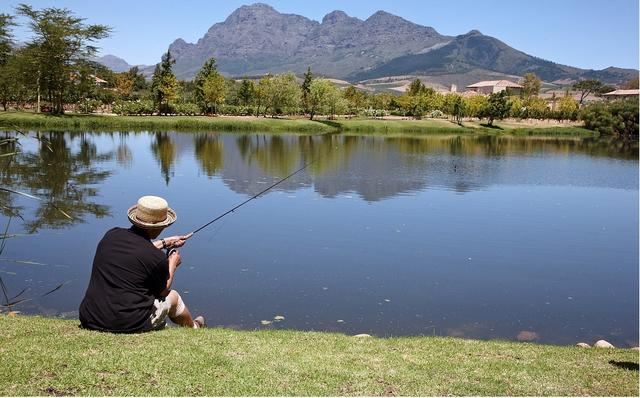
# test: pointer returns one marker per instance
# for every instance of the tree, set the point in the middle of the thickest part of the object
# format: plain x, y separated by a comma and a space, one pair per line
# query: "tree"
474, 106
416, 87
381, 100
246, 92
139, 82
567, 108
6, 78
164, 85
535, 108
458, 109
616, 117
214, 91
586, 87
281, 94
356, 99
261, 93
6, 37
530, 85
306, 88
497, 107
124, 85
209, 69
59, 41
324, 98
16, 78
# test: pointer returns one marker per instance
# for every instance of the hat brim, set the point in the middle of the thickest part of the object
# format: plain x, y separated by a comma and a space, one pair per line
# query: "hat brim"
171, 218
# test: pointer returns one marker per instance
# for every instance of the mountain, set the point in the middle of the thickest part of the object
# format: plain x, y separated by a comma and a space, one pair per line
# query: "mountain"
474, 52
114, 63
257, 39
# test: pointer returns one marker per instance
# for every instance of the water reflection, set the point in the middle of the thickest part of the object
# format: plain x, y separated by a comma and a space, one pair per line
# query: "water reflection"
164, 151
62, 172
209, 150
374, 168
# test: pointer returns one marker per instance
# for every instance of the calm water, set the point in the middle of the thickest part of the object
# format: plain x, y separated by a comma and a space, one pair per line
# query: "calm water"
481, 237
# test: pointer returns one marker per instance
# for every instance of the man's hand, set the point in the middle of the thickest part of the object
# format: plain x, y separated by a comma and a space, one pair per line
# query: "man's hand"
175, 241
174, 259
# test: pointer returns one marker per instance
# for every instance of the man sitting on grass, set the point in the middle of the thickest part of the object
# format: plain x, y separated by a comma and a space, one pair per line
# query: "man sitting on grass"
130, 286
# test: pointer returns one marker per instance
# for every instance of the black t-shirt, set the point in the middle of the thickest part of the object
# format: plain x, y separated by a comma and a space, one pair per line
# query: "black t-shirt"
128, 273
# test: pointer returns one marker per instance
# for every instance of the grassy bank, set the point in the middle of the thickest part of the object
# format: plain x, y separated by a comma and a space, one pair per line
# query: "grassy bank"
27, 120
43, 356
186, 123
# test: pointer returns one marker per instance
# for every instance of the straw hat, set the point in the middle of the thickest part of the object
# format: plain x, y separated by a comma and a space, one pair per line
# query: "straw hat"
151, 212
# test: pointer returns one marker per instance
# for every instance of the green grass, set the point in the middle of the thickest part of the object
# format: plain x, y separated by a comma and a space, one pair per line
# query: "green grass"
186, 123
13, 119
42, 356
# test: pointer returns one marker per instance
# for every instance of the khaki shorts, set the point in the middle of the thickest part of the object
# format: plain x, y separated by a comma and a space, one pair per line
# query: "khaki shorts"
159, 313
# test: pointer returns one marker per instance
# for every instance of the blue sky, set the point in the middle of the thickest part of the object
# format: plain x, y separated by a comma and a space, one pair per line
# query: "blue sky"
584, 33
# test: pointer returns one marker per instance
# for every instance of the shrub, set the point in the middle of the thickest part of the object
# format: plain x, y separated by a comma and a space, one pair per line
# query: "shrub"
237, 110
616, 117
142, 107
436, 114
188, 109
370, 112
88, 105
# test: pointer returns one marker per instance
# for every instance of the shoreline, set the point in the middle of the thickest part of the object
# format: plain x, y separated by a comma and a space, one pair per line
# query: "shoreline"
49, 356
17, 120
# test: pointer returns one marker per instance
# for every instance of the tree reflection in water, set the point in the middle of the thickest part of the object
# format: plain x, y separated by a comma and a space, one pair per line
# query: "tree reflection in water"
209, 150
164, 150
64, 180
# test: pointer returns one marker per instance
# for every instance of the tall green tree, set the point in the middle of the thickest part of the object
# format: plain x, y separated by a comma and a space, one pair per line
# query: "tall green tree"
164, 85
246, 92
16, 78
6, 37
416, 88
6, 78
59, 41
530, 85
214, 90
306, 89
208, 70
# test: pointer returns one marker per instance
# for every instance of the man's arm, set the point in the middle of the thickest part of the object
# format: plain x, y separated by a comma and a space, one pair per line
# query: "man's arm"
174, 263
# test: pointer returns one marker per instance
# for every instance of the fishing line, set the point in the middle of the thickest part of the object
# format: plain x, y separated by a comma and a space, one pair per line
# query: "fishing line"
248, 200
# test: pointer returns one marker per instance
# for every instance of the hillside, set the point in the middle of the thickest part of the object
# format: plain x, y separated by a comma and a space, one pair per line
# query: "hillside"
477, 52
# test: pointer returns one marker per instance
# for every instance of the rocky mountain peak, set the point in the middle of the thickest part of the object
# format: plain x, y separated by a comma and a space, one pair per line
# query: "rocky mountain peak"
337, 16
253, 9
383, 17
473, 32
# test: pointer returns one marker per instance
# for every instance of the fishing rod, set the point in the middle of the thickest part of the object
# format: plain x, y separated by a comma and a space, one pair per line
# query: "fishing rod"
190, 234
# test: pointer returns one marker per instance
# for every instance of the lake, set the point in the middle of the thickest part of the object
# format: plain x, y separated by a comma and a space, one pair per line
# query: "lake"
530, 238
